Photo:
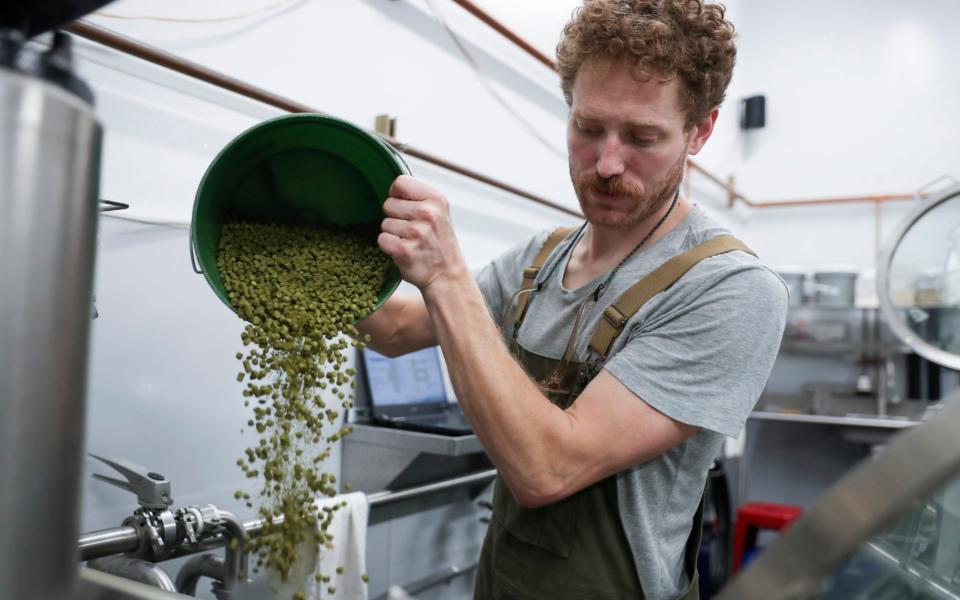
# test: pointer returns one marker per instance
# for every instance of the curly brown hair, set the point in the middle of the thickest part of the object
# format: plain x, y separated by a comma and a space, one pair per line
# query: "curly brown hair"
664, 38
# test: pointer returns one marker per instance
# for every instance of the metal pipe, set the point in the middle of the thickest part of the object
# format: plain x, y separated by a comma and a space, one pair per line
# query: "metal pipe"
134, 569
255, 526
125, 539
205, 565
430, 581
382, 498
242, 88
118, 540
235, 557
506, 32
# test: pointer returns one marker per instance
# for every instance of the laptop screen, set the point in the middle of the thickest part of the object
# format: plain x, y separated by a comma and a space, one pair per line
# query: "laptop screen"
410, 381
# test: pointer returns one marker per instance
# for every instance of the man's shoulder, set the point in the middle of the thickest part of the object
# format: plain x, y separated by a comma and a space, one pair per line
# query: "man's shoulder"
737, 271
509, 265
526, 250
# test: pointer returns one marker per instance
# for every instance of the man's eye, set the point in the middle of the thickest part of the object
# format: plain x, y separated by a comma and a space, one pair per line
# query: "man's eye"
643, 141
589, 130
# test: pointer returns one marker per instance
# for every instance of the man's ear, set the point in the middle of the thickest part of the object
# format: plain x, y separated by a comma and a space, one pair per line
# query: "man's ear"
701, 132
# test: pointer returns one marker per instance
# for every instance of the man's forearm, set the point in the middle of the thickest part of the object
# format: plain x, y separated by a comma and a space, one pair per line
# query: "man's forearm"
401, 325
518, 425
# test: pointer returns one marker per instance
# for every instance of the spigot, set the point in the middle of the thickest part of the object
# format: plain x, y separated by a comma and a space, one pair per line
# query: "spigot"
152, 489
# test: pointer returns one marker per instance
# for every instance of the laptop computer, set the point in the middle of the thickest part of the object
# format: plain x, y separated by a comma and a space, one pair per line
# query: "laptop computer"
409, 392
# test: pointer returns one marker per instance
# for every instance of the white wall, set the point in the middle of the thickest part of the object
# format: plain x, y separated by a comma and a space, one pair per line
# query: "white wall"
860, 96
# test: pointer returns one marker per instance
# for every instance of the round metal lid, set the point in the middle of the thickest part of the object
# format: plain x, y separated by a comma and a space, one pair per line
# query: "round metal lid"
918, 279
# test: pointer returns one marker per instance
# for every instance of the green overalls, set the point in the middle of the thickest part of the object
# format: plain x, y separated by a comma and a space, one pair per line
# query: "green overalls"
576, 548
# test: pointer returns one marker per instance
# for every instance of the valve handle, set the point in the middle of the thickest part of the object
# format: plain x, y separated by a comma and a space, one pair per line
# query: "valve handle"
152, 489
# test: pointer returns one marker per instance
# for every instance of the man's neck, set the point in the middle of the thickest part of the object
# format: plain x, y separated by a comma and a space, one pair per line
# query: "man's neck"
601, 248
601, 244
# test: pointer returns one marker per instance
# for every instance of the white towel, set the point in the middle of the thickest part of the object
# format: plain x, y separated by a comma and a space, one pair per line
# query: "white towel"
348, 550
349, 530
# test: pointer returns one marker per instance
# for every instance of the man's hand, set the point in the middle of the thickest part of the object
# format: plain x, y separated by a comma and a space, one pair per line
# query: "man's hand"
418, 234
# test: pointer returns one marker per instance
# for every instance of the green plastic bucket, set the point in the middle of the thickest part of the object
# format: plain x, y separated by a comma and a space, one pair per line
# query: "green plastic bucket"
305, 169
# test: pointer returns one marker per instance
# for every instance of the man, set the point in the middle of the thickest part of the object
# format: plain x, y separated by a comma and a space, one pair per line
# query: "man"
607, 393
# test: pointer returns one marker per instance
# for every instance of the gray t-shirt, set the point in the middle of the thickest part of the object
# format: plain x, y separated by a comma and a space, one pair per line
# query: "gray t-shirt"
700, 353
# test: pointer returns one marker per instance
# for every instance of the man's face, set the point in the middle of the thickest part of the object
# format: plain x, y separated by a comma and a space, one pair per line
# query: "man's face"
627, 143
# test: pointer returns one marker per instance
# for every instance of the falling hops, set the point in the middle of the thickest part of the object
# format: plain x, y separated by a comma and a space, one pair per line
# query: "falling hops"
298, 288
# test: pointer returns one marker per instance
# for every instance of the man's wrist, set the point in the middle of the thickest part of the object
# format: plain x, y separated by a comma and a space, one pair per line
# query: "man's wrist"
443, 286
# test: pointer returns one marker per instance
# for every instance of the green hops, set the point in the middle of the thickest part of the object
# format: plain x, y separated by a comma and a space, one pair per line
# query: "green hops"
299, 289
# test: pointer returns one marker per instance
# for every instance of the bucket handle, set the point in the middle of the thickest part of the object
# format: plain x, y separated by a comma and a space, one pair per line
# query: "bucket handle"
193, 255
397, 153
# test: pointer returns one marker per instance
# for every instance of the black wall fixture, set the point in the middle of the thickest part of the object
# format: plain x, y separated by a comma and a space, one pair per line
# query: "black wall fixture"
753, 112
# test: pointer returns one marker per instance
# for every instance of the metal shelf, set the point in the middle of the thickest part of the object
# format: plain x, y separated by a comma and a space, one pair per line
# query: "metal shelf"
385, 458
402, 439
854, 421
821, 348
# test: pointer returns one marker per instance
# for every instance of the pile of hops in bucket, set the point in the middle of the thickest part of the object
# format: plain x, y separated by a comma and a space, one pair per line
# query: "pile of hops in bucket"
299, 288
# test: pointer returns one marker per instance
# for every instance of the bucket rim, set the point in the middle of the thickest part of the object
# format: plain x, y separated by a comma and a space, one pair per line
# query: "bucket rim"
375, 141
343, 124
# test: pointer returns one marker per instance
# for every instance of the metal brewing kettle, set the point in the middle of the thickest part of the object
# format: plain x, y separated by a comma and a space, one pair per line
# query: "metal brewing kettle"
49, 171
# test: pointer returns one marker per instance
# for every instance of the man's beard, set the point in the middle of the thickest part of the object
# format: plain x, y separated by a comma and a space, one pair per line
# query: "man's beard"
642, 205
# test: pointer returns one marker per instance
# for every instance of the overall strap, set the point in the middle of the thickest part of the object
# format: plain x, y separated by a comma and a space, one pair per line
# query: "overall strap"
616, 315
530, 273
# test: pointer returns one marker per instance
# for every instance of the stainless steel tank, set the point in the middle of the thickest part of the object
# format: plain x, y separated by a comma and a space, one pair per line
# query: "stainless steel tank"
49, 169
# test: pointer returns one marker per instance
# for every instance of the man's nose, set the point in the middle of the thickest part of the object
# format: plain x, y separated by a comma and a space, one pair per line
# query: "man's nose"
610, 162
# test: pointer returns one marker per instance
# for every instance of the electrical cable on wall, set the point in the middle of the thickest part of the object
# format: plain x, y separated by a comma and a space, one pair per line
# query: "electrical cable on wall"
237, 17
147, 220
488, 85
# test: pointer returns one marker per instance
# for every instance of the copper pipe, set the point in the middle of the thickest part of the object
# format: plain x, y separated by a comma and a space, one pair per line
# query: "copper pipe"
477, 176
506, 32
694, 166
174, 63
731, 192
877, 198
734, 195
197, 71
877, 227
